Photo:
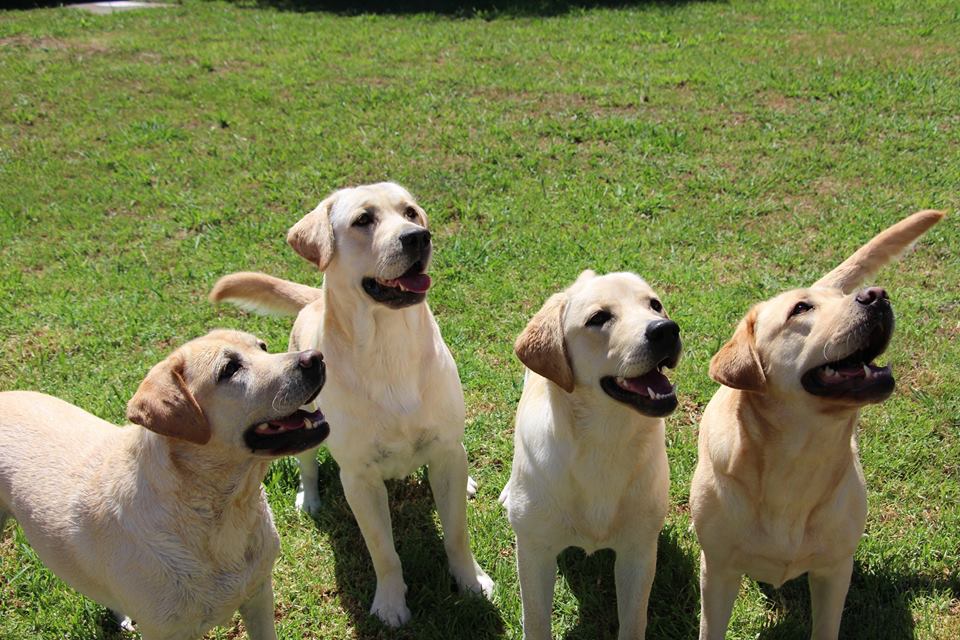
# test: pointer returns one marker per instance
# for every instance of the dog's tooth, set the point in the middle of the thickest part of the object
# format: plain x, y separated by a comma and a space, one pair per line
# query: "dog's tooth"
263, 427
306, 422
829, 372
866, 371
651, 393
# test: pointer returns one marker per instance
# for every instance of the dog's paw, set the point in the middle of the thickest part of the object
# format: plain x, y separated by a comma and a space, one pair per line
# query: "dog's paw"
309, 504
479, 582
390, 607
124, 622
471, 487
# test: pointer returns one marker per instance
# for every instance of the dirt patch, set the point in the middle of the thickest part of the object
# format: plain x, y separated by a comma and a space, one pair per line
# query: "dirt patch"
42, 43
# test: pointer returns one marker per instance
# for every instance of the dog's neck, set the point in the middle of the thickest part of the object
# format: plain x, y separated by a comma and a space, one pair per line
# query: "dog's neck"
596, 419
217, 488
786, 442
355, 319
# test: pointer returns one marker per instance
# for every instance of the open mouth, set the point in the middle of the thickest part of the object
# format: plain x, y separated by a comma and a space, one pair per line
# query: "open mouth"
651, 394
291, 434
855, 377
408, 289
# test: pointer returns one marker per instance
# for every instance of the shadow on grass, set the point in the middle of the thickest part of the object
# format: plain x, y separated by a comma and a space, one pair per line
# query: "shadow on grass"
462, 9
438, 609
877, 605
674, 603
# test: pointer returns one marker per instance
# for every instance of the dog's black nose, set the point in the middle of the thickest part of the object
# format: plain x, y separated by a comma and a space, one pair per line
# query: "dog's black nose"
663, 332
414, 242
872, 295
311, 361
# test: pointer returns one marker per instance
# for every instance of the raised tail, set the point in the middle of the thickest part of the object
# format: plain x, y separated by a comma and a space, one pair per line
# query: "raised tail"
263, 294
883, 248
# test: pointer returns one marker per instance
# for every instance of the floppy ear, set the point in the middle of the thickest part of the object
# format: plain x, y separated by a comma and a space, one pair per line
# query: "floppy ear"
737, 364
164, 404
312, 236
883, 248
540, 346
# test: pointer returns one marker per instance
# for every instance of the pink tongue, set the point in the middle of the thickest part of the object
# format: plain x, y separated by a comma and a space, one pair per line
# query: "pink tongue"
290, 422
418, 283
652, 379
851, 371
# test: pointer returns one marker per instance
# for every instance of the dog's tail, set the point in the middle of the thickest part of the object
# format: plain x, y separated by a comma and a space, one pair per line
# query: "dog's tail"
260, 293
883, 248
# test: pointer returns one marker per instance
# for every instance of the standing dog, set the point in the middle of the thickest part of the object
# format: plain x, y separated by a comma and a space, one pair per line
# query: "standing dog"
165, 522
590, 463
778, 490
395, 394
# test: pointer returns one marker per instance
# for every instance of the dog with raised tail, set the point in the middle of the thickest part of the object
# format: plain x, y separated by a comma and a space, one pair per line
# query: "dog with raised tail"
778, 490
394, 394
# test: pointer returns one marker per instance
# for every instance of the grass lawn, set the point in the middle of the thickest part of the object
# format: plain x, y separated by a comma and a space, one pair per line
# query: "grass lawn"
723, 150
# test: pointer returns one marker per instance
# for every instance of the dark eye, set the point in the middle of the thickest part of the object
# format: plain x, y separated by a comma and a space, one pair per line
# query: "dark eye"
599, 319
411, 214
363, 220
656, 305
229, 370
262, 345
800, 307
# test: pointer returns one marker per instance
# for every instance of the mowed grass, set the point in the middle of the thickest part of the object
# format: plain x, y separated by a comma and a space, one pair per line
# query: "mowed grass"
724, 151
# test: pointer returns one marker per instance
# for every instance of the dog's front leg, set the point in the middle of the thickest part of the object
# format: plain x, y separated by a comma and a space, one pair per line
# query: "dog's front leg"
257, 613
367, 497
447, 473
308, 498
537, 566
828, 591
634, 570
718, 591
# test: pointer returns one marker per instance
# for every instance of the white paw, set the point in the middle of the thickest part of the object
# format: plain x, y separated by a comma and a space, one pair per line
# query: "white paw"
471, 487
124, 622
478, 582
390, 606
309, 504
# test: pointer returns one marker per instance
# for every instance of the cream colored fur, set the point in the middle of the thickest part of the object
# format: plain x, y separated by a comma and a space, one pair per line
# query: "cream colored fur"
778, 490
393, 399
588, 471
172, 533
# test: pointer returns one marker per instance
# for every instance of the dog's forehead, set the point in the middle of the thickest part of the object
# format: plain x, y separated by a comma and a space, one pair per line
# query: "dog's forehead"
612, 289
383, 195
203, 351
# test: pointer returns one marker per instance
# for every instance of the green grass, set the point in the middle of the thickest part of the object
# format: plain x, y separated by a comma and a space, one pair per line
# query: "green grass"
725, 151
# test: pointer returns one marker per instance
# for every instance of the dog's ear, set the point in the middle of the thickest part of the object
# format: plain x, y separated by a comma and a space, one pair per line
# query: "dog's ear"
541, 346
164, 404
312, 236
883, 248
737, 364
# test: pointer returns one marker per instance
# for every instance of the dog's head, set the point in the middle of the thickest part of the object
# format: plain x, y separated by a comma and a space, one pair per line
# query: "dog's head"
224, 389
822, 341
609, 332
817, 341
375, 236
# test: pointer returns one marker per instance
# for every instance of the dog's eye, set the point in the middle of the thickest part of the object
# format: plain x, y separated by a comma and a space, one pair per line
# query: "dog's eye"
229, 370
262, 345
656, 305
599, 319
363, 220
800, 307
411, 214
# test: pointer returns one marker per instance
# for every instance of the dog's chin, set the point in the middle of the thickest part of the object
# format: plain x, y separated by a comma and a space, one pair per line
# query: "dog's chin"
650, 394
299, 431
855, 379
405, 290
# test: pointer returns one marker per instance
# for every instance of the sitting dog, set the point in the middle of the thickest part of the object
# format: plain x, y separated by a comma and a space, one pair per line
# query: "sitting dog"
166, 522
395, 389
778, 490
590, 463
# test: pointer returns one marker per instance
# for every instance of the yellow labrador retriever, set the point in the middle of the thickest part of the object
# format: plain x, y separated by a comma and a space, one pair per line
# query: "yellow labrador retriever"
165, 520
590, 463
778, 490
395, 393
